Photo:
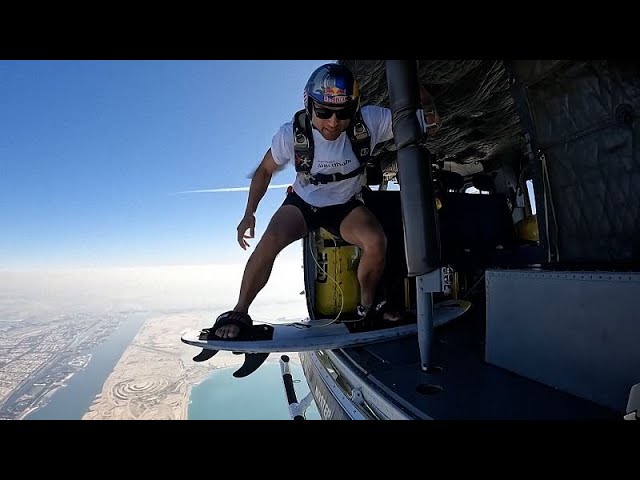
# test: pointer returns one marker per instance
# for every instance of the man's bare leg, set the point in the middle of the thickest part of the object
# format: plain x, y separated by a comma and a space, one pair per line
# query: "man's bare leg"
286, 226
363, 229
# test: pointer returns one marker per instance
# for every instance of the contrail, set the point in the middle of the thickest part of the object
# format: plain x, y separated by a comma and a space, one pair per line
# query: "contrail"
232, 189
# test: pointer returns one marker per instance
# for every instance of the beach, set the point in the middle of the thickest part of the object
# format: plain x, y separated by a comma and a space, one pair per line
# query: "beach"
154, 377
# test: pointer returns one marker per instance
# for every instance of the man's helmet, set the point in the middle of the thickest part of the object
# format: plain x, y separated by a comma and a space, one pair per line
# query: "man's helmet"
332, 85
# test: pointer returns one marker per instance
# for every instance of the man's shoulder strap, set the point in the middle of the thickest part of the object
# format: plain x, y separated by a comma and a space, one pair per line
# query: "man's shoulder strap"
358, 134
302, 141
360, 138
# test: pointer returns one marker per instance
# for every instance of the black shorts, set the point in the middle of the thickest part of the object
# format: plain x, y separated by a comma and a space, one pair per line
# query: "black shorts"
329, 218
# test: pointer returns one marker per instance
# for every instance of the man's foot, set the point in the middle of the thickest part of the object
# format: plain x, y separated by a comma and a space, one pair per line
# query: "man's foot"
380, 310
231, 324
228, 331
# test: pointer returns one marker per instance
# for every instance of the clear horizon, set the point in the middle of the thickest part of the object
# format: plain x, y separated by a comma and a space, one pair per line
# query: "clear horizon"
45, 294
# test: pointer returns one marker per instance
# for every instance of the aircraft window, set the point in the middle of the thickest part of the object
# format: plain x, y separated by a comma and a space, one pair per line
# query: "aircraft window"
474, 190
532, 197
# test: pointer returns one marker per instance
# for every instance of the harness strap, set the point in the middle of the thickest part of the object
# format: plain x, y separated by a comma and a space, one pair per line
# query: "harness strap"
302, 142
322, 178
358, 135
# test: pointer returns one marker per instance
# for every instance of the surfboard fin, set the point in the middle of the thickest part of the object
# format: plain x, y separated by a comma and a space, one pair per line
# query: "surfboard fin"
205, 355
251, 363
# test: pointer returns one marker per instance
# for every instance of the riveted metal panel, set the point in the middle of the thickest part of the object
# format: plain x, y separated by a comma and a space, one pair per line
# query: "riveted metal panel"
576, 331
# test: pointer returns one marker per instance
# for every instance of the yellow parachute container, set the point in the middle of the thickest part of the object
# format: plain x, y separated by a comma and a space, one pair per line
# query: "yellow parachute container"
527, 229
339, 260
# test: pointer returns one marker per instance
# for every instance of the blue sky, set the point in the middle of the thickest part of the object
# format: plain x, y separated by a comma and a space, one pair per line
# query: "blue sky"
94, 155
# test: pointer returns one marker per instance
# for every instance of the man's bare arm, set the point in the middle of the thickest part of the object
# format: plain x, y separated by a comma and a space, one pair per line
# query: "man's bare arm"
259, 183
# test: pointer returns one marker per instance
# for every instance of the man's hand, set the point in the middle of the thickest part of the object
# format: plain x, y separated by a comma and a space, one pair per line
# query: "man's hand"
248, 222
431, 116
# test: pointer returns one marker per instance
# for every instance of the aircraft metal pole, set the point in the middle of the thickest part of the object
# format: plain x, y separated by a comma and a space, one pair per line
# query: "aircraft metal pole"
422, 240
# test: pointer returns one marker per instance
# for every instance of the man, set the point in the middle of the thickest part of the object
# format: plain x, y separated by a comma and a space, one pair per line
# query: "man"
332, 102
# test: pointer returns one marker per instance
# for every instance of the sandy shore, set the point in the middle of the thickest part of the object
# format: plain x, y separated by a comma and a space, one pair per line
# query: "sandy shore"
154, 377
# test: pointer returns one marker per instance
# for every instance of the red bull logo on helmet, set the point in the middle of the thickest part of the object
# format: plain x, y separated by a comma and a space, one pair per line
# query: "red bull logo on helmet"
334, 94
332, 84
337, 95
335, 91
336, 99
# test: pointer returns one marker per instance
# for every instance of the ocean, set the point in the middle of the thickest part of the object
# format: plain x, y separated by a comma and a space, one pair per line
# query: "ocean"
221, 396
260, 396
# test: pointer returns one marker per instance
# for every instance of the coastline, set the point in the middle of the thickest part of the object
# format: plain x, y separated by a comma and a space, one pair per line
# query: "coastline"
154, 377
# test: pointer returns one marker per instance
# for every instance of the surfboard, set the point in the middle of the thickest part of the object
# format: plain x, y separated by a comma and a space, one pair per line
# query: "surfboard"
320, 334
310, 335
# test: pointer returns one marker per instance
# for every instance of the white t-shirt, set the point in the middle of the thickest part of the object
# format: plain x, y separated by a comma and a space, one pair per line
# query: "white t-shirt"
333, 156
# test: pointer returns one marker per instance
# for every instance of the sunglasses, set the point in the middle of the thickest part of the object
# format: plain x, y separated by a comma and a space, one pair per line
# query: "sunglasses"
326, 113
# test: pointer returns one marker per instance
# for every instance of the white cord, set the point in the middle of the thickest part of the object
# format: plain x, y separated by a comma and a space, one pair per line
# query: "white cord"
311, 249
547, 189
306, 325
337, 285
